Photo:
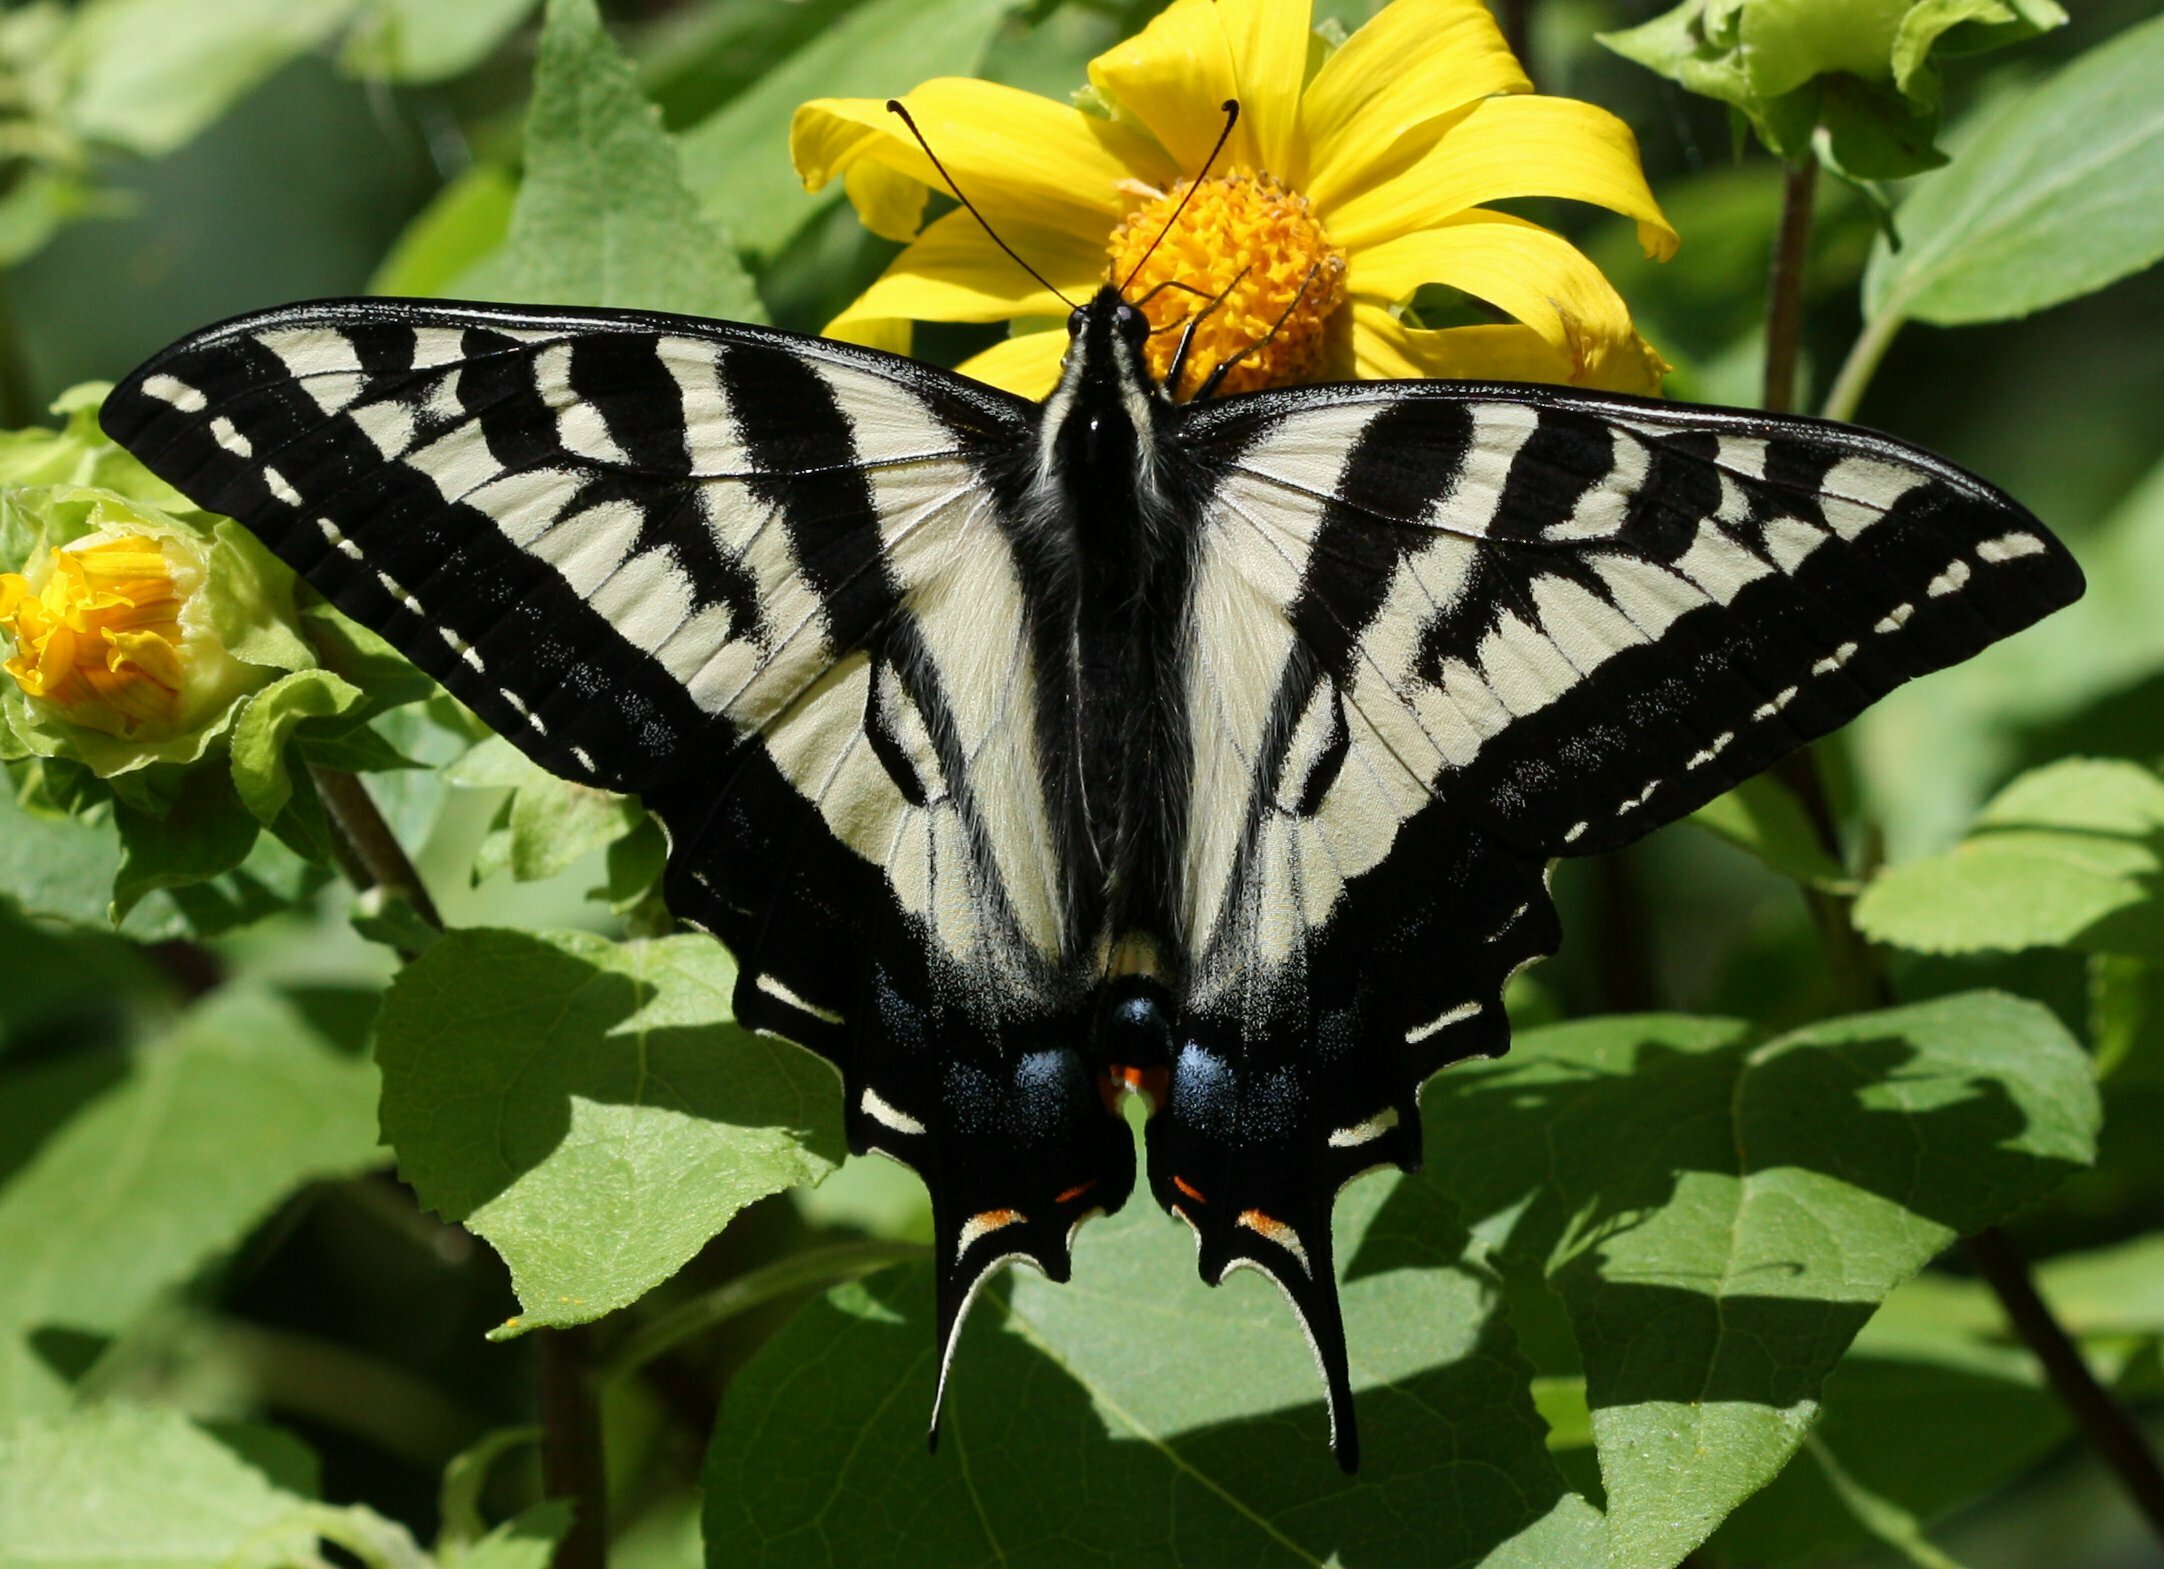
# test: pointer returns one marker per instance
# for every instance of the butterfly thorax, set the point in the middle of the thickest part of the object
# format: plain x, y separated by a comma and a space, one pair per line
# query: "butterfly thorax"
1099, 487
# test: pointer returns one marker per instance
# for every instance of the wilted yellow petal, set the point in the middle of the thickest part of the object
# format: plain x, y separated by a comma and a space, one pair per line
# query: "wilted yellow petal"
1027, 364
1025, 161
1415, 62
1196, 54
955, 273
1505, 147
1520, 268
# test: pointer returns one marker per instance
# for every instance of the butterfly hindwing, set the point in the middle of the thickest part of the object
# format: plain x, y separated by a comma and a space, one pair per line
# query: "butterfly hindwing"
748, 577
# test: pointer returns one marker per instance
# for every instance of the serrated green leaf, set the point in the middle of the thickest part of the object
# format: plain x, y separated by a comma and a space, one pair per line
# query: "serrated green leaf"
2067, 856
200, 1135
204, 832
1196, 1409
428, 40
2061, 194
1719, 1217
736, 161
592, 1108
267, 723
603, 216
136, 1487
1764, 817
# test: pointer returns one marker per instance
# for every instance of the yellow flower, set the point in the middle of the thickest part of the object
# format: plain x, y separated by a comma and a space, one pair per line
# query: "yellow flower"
106, 633
1344, 189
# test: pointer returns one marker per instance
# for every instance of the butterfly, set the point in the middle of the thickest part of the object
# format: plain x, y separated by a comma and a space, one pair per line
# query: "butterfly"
1030, 754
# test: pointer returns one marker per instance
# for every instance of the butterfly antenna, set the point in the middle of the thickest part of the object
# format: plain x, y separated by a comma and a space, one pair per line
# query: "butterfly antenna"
1232, 118
1223, 368
1187, 338
894, 106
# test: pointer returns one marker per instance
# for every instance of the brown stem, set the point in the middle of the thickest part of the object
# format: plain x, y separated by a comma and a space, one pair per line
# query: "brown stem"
368, 852
1784, 290
2106, 1426
571, 1465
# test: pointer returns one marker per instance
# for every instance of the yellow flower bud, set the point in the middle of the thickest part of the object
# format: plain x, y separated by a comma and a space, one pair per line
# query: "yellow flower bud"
111, 633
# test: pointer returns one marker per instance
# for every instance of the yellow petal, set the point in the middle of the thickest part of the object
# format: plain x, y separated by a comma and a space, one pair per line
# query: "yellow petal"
1173, 75
1537, 276
1383, 346
1028, 364
1505, 147
1025, 161
1416, 62
955, 273
888, 202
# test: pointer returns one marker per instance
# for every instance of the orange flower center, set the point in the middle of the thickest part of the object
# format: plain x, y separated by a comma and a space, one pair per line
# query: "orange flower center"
1249, 240
103, 633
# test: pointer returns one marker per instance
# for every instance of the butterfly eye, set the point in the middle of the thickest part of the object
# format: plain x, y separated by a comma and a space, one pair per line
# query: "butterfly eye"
1132, 324
1074, 324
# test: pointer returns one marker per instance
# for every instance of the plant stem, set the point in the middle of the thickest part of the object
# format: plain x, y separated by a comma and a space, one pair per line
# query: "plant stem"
368, 852
818, 1267
1863, 361
571, 1465
2106, 1426
1784, 289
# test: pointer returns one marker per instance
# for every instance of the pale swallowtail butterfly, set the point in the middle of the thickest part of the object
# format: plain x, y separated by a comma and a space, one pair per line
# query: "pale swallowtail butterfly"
1022, 752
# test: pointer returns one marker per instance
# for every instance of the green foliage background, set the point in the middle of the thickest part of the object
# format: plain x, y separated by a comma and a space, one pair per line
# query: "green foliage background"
287, 1178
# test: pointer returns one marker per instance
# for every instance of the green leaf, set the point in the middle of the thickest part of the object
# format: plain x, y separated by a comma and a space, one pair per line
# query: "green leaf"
592, 1108
466, 222
132, 1487
2066, 856
267, 723
603, 217
202, 1133
2059, 195
1929, 1411
1962, 27
60, 868
1718, 1217
205, 832
150, 74
1764, 817
1095, 1422
1861, 70
526, 1541
555, 822
550, 823
351, 650
428, 40
736, 161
